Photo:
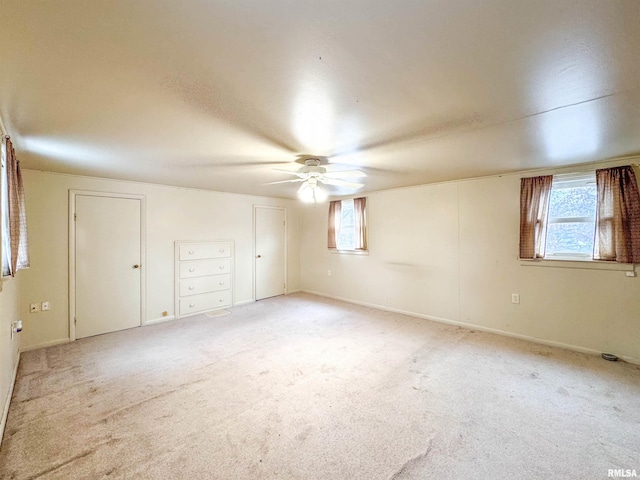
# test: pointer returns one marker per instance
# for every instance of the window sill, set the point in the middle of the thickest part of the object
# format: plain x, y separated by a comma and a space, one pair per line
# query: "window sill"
573, 263
349, 252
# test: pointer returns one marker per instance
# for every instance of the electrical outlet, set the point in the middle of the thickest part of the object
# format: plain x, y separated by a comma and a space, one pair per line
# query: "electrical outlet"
45, 306
515, 298
631, 274
34, 308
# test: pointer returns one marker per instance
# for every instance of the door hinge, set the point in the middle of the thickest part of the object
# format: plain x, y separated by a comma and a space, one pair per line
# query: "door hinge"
75, 216
75, 321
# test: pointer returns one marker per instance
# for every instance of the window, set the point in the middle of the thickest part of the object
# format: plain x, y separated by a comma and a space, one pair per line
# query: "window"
347, 231
572, 217
348, 225
586, 216
4, 215
13, 217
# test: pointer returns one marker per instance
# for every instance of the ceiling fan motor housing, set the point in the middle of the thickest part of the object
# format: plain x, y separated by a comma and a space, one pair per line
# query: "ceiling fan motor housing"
312, 168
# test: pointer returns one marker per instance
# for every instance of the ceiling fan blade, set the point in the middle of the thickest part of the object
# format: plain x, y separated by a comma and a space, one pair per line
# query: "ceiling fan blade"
286, 181
340, 183
346, 174
301, 175
209, 163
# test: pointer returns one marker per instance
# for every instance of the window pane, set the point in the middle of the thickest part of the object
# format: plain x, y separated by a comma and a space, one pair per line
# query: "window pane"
573, 202
4, 211
347, 234
570, 238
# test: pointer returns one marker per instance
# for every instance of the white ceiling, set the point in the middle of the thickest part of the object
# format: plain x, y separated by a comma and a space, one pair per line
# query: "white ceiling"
215, 94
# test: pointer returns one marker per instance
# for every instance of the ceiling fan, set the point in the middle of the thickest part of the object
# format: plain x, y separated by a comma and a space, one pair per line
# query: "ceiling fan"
312, 174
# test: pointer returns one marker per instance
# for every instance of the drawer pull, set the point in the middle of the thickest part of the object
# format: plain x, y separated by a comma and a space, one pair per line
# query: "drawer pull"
192, 305
192, 269
222, 300
221, 283
221, 267
191, 287
221, 250
191, 252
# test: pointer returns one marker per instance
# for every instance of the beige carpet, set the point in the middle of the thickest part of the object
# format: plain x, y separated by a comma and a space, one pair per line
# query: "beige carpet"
301, 387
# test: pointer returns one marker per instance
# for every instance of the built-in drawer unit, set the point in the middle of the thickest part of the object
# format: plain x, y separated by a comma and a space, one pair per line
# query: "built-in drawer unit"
204, 302
197, 251
203, 276
211, 283
200, 268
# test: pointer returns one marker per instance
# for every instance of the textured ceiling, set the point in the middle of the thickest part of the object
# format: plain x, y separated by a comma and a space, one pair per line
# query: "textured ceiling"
216, 94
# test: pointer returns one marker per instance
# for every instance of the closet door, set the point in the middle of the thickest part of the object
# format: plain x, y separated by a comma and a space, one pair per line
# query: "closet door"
270, 249
107, 264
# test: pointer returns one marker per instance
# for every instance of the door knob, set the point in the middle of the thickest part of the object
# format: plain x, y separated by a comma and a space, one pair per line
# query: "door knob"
258, 256
136, 266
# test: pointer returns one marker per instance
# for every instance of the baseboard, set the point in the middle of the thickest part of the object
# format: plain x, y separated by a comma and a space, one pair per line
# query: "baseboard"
7, 403
631, 360
504, 333
298, 290
159, 320
51, 343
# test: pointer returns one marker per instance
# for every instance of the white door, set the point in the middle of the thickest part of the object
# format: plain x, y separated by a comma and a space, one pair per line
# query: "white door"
107, 264
270, 258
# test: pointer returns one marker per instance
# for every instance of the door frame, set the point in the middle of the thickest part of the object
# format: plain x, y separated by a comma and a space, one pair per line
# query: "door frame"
72, 251
286, 231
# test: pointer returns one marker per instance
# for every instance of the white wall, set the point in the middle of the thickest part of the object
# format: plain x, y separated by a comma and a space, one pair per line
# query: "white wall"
449, 252
8, 347
172, 214
445, 251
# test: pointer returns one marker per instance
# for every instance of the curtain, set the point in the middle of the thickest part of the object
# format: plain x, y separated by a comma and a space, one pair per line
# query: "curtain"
17, 213
534, 206
360, 214
335, 212
618, 216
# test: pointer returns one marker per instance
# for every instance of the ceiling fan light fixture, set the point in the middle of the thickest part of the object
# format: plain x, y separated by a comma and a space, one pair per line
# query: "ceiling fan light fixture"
310, 192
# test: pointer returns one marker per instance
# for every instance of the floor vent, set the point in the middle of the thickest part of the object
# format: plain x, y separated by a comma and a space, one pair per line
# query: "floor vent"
217, 313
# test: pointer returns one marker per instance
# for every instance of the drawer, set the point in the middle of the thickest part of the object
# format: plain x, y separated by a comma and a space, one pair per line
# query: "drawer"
197, 285
197, 251
200, 268
205, 302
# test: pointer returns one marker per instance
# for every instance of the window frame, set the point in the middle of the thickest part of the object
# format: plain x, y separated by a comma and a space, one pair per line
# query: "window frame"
566, 181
